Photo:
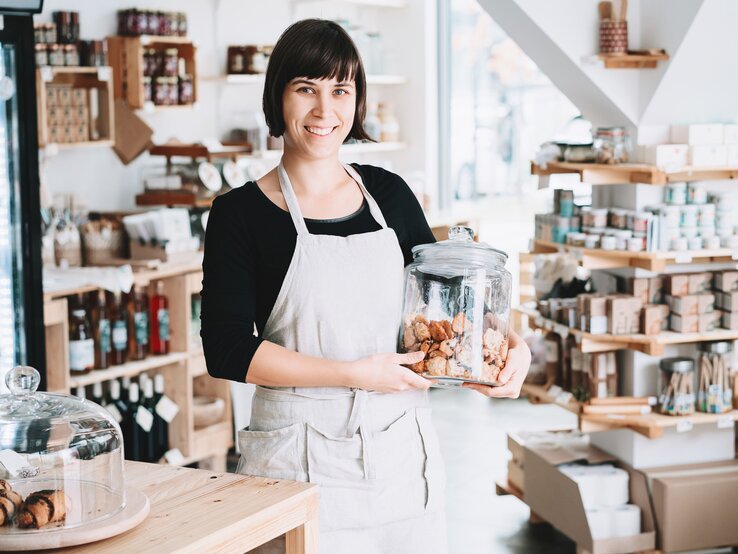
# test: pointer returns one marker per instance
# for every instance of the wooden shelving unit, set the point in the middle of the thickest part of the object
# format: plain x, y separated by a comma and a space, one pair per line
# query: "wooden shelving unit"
632, 61
596, 258
99, 107
618, 174
653, 425
184, 370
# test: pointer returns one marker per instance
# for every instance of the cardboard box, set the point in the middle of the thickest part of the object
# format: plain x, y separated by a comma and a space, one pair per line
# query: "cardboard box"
704, 443
709, 133
665, 156
692, 304
708, 155
695, 506
676, 285
132, 134
52, 96
700, 282
726, 281
691, 323
556, 498
79, 97
654, 319
64, 97
655, 290
515, 475
730, 133
729, 320
148, 252
729, 301
638, 286
596, 306
653, 134
564, 437
623, 313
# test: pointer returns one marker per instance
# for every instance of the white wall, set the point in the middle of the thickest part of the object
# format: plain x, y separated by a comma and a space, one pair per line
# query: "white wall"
100, 181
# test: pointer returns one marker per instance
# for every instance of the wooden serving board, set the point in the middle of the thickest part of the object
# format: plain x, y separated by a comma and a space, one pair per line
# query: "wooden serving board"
136, 510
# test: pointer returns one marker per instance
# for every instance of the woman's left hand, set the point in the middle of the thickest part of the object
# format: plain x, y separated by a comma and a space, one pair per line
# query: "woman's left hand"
512, 375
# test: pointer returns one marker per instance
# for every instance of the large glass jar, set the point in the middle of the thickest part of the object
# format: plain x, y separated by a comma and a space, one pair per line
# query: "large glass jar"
715, 391
612, 145
456, 309
62, 461
677, 386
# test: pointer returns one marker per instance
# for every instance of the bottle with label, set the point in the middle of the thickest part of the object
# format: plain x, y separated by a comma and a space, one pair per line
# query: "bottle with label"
372, 123
161, 427
79, 392
118, 409
138, 325
81, 344
118, 329
150, 449
134, 446
390, 125
553, 359
159, 321
100, 321
125, 387
97, 394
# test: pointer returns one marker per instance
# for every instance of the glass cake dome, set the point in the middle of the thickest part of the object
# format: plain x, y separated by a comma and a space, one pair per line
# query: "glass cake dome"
61, 459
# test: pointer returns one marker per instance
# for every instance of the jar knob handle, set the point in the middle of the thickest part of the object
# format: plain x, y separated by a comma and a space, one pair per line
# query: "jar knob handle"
461, 233
22, 380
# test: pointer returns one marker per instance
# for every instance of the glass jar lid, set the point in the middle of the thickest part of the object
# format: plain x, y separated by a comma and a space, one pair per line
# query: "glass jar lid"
460, 246
677, 365
611, 131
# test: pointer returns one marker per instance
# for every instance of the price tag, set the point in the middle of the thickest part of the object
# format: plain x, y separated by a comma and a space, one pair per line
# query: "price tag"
174, 457
725, 422
683, 258
543, 181
167, 409
684, 426
144, 418
104, 73
564, 398
16, 465
555, 391
114, 411
652, 400
47, 74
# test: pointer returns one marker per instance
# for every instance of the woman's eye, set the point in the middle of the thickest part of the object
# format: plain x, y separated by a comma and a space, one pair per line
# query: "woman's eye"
340, 92
305, 89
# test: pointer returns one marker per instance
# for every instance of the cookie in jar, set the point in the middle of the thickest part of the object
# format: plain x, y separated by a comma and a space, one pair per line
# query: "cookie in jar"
456, 310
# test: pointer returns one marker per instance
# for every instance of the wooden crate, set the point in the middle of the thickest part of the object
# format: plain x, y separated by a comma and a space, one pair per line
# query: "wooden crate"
126, 55
99, 104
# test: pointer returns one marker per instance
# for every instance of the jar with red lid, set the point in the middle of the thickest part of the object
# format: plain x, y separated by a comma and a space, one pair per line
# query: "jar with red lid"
161, 91
170, 62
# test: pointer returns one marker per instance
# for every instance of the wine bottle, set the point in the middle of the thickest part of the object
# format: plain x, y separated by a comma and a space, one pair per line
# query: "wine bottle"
100, 321
161, 427
125, 385
138, 325
79, 392
81, 343
97, 394
118, 328
149, 450
159, 321
134, 447
119, 410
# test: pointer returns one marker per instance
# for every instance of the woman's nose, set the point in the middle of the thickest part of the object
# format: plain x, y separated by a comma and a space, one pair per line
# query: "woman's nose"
323, 104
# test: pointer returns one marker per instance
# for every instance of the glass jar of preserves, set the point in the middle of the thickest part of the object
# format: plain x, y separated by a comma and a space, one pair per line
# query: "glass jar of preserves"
677, 386
236, 60
56, 55
456, 309
612, 145
186, 89
715, 391
39, 35
81, 343
161, 91
165, 24
42, 55
182, 27
50, 33
148, 89
170, 62
71, 55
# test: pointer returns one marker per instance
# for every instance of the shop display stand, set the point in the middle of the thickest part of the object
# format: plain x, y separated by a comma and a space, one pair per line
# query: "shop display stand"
184, 369
643, 174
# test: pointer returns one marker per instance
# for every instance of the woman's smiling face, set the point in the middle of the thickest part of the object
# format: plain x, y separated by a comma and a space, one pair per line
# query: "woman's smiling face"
318, 115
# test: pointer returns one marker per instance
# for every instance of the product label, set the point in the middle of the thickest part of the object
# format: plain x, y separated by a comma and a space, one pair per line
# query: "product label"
141, 325
114, 411
174, 457
576, 359
166, 408
16, 465
144, 418
684, 426
552, 352
104, 333
81, 354
162, 316
120, 335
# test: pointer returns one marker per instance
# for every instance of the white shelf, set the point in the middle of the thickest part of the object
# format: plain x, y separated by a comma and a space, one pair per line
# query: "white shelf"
373, 3
258, 79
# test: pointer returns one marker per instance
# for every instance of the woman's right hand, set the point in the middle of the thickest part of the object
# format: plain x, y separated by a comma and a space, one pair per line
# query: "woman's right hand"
383, 373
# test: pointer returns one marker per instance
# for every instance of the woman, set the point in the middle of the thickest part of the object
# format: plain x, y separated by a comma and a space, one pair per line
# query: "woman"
313, 254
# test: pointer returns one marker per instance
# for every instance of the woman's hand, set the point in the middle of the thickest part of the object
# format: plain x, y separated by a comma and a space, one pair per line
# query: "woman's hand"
512, 375
383, 373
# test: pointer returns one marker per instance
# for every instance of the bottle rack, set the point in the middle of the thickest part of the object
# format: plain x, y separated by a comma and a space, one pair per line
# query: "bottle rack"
184, 370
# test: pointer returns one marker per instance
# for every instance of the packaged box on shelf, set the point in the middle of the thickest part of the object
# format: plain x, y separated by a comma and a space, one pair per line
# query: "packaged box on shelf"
667, 156
653, 134
692, 323
694, 505
703, 443
732, 155
595, 315
717, 318
566, 438
726, 281
728, 301
692, 304
713, 155
52, 96
700, 282
639, 287
676, 285
729, 320
730, 133
698, 134
655, 290
623, 313
654, 319
515, 475
79, 97
181, 251
64, 97
556, 497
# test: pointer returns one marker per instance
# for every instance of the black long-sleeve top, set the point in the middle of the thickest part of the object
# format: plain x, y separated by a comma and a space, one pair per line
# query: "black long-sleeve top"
249, 245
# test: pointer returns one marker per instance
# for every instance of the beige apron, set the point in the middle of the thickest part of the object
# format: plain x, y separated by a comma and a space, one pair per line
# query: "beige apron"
375, 456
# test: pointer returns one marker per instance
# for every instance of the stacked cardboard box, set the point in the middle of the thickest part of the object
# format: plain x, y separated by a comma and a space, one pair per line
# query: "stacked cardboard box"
725, 284
691, 304
67, 114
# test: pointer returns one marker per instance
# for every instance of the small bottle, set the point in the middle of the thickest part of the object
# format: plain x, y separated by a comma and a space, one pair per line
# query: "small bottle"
119, 409
390, 125
97, 394
100, 321
150, 450
118, 329
134, 446
125, 387
138, 325
372, 123
161, 427
81, 344
79, 392
159, 321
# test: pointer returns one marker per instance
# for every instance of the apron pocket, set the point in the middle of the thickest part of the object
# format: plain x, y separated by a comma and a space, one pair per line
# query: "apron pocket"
337, 464
435, 473
275, 454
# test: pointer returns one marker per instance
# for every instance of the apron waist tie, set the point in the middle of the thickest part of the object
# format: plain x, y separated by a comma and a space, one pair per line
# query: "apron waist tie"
356, 424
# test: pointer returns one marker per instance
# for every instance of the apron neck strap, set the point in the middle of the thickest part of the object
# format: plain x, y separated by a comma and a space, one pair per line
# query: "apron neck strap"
294, 207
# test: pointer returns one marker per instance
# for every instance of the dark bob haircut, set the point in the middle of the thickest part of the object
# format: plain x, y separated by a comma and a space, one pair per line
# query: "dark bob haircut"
314, 49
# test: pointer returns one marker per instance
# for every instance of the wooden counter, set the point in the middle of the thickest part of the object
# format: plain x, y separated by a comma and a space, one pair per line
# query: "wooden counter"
199, 511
